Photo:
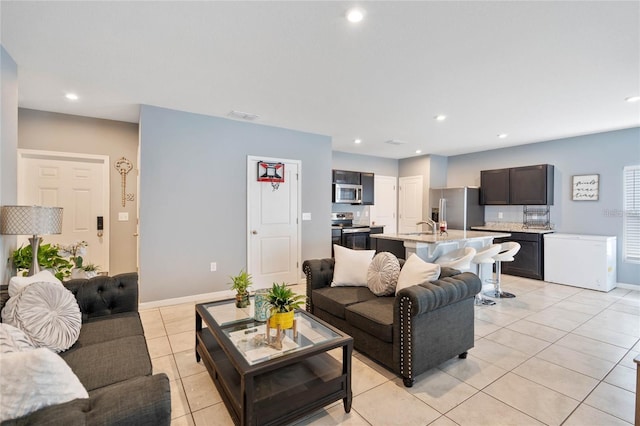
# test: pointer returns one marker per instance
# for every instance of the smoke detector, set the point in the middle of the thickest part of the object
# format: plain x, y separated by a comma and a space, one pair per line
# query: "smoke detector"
396, 142
243, 115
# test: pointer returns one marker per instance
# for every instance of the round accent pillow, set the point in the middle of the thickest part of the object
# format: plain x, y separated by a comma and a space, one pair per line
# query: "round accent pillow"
383, 273
47, 313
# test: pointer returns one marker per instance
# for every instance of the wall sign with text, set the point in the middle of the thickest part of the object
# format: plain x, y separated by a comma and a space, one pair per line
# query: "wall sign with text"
585, 187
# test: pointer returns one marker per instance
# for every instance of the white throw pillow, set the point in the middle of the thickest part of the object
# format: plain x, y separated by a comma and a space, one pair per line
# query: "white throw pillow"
17, 284
383, 273
47, 313
35, 379
417, 271
351, 266
13, 339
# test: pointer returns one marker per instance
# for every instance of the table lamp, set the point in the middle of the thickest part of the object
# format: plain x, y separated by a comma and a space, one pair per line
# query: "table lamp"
31, 220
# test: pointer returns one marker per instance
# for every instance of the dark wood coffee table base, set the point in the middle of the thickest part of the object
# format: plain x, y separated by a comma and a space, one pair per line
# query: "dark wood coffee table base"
280, 390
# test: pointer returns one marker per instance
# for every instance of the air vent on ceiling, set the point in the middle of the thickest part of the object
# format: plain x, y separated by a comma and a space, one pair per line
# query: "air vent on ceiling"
244, 115
395, 142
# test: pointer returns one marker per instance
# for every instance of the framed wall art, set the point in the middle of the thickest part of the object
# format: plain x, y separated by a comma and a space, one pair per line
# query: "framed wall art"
585, 187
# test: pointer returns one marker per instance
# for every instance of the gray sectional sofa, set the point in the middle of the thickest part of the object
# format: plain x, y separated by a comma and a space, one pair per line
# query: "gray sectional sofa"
423, 326
111, 360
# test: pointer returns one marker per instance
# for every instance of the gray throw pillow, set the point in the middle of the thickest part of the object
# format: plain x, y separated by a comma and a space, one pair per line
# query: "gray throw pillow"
383, 273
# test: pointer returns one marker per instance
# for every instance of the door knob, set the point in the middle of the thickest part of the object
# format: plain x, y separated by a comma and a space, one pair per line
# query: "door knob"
254, 232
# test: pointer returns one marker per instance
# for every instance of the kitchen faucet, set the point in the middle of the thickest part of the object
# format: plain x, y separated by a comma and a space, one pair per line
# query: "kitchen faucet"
431, 223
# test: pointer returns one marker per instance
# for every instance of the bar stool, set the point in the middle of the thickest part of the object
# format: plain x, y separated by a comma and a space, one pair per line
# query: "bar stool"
507, 251
484, 256
457, 259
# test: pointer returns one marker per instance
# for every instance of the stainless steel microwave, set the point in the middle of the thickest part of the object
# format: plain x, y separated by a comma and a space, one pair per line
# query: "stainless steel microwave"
347, 193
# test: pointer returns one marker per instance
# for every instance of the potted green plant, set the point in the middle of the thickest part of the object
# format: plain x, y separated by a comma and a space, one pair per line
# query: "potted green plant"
282, 305
48, 258
241, 283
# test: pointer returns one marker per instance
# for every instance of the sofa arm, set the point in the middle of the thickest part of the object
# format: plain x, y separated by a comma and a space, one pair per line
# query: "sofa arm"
144, 400
319, 273
430, 296
102, 295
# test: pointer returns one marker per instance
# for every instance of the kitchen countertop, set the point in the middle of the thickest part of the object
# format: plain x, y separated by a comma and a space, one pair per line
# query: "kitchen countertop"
453, 235
510, 227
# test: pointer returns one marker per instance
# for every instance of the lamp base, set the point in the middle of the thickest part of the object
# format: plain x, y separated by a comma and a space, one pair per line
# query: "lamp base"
35, 265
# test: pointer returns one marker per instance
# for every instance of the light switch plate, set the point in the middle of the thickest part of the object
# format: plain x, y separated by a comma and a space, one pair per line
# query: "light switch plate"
306, 216
123, 216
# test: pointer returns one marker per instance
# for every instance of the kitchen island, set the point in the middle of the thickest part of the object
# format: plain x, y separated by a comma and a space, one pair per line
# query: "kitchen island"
429, 246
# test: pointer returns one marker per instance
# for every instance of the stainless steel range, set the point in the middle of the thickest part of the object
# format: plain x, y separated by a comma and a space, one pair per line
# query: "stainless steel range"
345, 233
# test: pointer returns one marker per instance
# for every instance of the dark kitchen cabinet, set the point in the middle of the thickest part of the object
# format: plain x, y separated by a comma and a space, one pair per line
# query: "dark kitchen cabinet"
346, 176
374, 230
529, 185
532, 185
367, 182
528, 262
494, 187
336, 238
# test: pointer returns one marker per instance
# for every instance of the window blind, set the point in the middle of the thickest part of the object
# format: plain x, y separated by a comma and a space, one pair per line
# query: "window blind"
631, 208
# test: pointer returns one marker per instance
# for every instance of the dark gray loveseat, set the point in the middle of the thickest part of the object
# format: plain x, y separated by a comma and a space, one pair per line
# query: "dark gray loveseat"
421, 327
111, 360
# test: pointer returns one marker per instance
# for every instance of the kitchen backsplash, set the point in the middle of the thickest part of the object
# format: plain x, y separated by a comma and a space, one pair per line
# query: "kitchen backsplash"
360, 213
509, 214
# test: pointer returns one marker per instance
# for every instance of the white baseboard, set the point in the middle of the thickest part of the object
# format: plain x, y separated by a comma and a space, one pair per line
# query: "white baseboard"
197, 298
200, 298
628, 286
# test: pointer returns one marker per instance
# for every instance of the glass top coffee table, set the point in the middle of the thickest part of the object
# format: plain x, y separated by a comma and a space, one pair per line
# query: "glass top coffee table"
262, 381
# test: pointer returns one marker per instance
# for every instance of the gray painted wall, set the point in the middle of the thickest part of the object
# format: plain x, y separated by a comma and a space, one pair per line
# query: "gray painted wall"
8, 150
364, 163
69, 133
602, 153
193, 197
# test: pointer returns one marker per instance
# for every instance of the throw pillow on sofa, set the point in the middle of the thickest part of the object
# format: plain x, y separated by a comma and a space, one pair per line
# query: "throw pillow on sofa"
13, 339
351, 266
47, 313
35, 379
417, 271
383, 273
17, 284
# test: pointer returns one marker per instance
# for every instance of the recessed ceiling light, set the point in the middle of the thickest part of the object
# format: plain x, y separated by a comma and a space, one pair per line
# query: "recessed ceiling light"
418, 151
71, 96
502, 135
357, 141
355, 15
440, 117
632, 99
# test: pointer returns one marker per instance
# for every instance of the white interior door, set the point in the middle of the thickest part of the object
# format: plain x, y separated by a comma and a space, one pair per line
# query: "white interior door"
410, 203
273, 228
385, 209
77, 183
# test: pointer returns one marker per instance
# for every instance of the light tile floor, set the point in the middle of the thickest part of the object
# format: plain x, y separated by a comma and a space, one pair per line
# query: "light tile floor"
554, 355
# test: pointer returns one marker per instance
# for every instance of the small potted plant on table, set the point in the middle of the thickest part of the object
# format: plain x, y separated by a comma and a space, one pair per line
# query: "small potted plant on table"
241, 283
283, 302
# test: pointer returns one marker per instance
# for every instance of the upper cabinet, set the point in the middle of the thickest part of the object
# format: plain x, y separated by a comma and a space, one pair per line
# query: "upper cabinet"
494, 187
530, 185
367, 182
346, 176
364, 179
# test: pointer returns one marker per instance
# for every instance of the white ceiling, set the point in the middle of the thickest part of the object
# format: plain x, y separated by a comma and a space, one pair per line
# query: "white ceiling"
534, 70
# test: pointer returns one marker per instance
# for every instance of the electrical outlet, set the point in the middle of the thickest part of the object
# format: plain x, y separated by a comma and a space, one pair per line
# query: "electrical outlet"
500, 215
214, 266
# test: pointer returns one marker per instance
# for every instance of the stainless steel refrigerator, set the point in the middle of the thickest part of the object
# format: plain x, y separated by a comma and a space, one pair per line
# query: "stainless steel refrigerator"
460, 207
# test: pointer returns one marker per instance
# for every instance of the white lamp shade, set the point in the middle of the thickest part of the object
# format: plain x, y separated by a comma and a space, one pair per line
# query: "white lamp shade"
30, 220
